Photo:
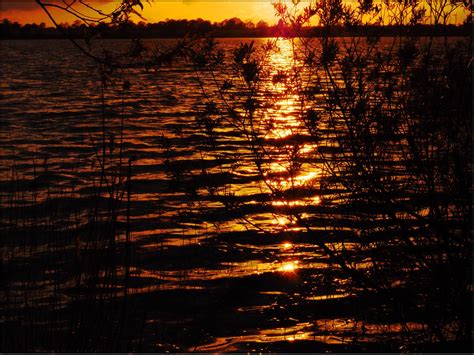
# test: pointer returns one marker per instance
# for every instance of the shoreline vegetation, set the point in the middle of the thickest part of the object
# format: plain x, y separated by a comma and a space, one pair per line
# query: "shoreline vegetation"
230, 28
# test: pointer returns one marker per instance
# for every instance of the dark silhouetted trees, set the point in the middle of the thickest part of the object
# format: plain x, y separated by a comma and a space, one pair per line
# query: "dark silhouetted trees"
233, 27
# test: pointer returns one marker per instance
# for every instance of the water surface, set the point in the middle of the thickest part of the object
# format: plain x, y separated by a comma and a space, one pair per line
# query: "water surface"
203, 276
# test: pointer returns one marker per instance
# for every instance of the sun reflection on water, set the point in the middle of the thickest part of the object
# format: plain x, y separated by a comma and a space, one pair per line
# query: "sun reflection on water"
289, 266
314, 200
289, 151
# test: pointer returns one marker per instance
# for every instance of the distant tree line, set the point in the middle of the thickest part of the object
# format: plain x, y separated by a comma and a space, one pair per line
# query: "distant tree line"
233, 27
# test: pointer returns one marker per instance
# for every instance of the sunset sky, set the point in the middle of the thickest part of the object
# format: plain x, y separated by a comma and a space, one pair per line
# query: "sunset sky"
27, 11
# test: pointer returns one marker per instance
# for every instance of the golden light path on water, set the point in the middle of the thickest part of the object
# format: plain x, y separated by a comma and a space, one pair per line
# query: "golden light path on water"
283, 118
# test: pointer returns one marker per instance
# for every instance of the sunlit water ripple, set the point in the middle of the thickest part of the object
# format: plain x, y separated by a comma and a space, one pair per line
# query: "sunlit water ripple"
50, 106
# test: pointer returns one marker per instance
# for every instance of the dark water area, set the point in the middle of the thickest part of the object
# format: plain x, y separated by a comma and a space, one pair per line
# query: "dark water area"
204, 257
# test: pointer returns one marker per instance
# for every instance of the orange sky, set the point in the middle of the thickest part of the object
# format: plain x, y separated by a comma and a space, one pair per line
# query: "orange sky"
27, 11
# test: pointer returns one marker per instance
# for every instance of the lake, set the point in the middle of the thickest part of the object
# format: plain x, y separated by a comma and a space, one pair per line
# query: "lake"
128, 225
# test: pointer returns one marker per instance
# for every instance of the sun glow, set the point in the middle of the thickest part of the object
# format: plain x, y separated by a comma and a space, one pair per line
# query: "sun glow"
282, 221
289, 267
